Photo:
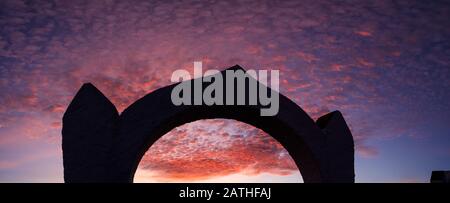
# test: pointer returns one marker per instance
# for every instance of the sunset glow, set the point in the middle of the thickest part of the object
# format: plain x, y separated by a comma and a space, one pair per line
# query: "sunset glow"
383, 64
210, 150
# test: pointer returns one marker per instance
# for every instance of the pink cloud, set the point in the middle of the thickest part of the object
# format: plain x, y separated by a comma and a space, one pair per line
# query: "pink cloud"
367, 151
214, 148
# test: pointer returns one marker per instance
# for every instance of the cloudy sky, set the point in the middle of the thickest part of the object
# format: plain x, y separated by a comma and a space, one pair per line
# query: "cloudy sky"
384, 64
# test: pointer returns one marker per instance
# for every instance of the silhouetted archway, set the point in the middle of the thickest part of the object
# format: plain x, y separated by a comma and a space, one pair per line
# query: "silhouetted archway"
113, 145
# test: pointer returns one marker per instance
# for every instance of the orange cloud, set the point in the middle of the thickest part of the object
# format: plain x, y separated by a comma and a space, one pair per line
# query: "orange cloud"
364, 33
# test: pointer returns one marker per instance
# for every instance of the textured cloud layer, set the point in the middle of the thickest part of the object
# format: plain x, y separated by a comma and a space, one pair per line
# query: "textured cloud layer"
215, 148
384, 64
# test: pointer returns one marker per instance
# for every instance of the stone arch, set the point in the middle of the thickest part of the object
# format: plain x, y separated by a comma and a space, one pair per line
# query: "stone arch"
113, 145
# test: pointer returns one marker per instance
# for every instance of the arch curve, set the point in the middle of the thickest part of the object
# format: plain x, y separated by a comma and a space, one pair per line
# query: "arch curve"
323, 150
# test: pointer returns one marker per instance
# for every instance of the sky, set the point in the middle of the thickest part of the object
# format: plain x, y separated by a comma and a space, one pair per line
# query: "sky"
384, 64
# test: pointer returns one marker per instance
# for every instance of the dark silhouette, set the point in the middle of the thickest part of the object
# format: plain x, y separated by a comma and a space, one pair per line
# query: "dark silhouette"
440, 177
99, 145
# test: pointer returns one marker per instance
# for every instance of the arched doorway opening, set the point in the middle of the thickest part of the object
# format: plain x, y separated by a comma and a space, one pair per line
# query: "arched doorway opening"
217, 150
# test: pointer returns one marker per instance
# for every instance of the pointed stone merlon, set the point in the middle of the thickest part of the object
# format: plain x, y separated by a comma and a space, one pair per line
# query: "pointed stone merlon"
339, 151
88, 130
